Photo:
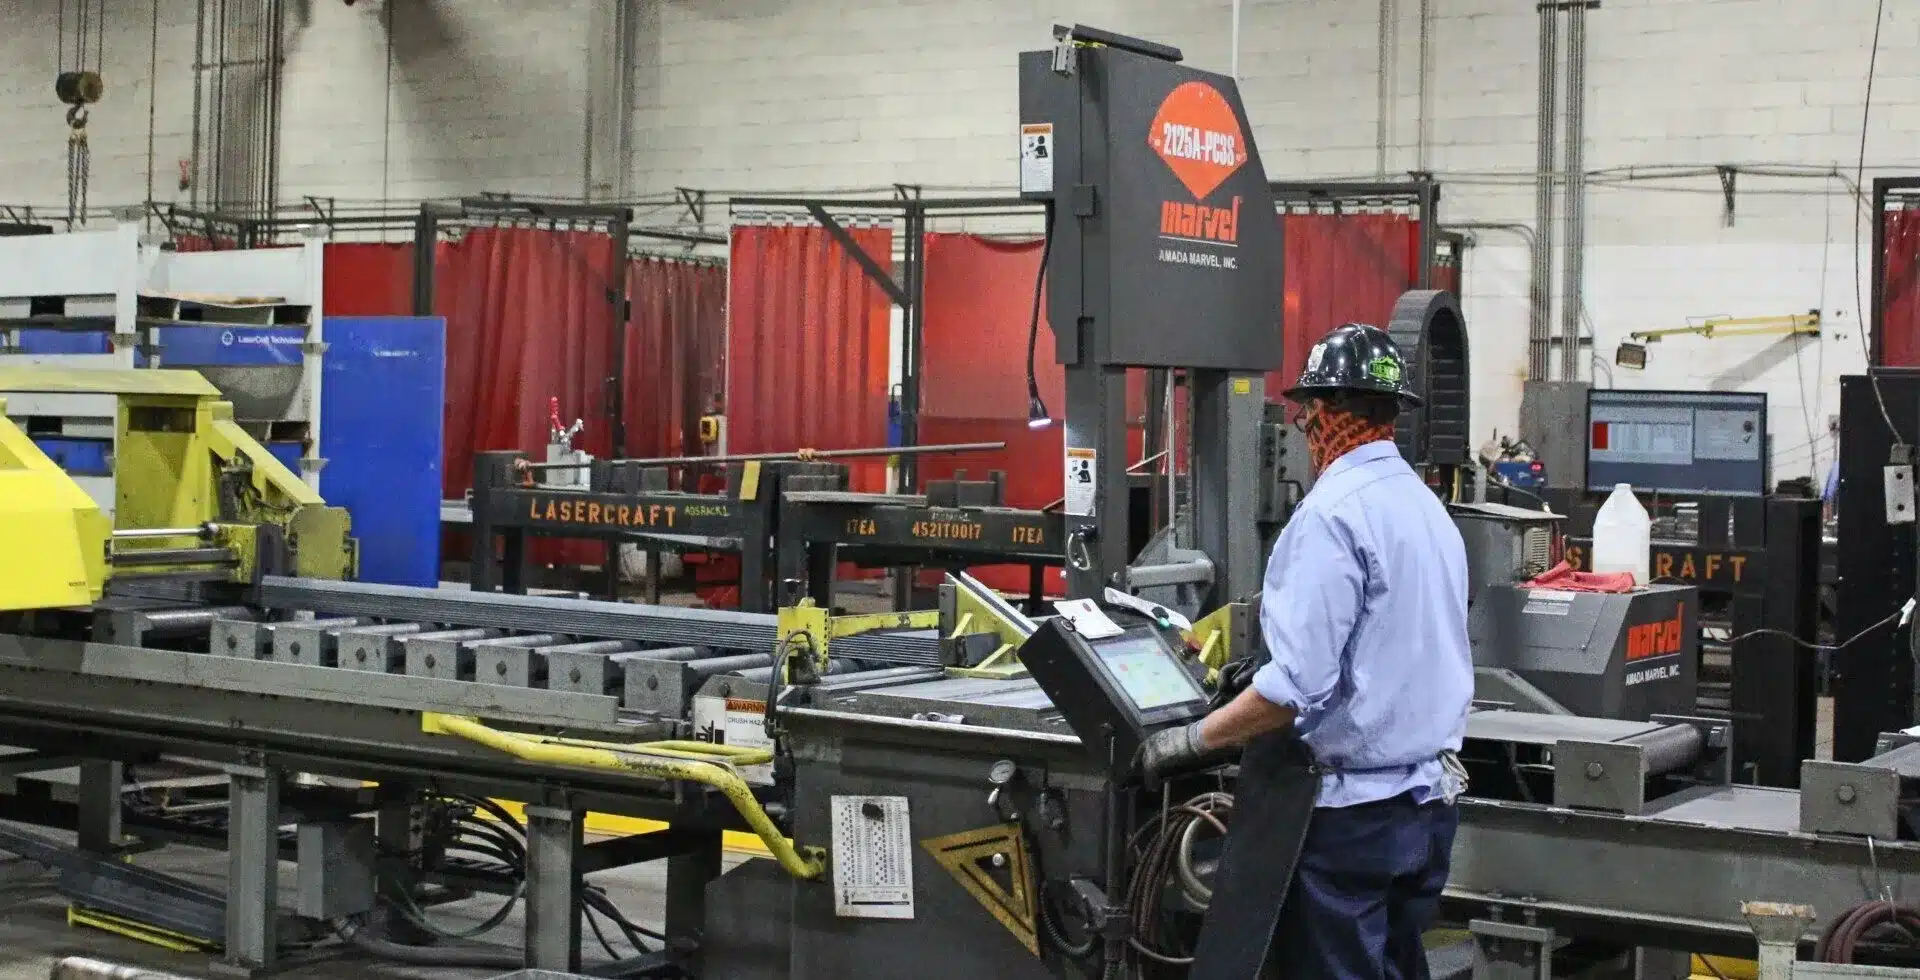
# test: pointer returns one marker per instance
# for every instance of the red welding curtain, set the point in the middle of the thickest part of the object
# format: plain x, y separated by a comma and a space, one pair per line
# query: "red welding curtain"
806, 350
978, 304
527, 320
1340, 268
368, 279
1899, 343
675, 353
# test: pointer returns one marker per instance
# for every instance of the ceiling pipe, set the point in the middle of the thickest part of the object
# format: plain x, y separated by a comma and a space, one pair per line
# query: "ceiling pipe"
1571, 290
1540, 292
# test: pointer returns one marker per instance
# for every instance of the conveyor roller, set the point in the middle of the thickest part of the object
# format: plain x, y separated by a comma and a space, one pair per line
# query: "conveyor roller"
1670, 749
581, 617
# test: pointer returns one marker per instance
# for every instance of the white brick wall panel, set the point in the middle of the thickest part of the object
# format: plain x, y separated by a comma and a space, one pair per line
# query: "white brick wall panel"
838, 93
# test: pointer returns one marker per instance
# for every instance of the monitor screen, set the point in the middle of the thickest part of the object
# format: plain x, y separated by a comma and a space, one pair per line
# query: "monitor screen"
1699, 442
1147, 672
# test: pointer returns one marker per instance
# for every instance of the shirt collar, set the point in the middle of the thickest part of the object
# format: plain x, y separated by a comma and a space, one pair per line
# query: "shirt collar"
1361, 455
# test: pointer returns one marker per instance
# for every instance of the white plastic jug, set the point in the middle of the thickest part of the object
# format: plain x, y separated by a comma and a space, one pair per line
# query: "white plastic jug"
1623, 535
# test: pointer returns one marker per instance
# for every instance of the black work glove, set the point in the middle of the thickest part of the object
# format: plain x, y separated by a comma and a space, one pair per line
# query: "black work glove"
1171, 751
1235, 676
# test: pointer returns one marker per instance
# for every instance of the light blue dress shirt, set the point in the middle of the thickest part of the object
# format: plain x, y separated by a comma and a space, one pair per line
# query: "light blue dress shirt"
1364, 611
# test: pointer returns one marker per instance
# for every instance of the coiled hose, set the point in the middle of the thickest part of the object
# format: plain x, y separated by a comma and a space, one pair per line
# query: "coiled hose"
1883, 920
1163, 852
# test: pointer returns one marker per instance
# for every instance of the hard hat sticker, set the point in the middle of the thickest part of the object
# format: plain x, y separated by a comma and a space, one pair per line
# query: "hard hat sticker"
1385, 370
1313, 356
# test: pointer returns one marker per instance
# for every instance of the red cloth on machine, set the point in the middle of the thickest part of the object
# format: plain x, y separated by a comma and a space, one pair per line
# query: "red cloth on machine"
1566, 578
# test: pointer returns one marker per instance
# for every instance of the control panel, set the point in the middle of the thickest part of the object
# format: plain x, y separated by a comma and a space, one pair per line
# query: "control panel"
1113, 691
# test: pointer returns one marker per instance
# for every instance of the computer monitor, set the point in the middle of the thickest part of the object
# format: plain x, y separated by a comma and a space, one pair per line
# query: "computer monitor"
1145, 672
1686, 442
1114, 691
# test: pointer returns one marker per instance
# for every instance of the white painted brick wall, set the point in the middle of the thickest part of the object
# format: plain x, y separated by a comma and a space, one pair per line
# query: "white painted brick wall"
744, 96
487, 95
838, 94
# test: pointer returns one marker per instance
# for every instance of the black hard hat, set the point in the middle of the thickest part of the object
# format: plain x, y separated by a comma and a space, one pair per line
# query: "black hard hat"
1357, 357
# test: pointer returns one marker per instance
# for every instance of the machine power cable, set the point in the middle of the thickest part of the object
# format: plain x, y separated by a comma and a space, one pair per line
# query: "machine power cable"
1163, 852
1033, 322
599, 935
355, 933
1860, 203
1898, 614
474, 837
595, 899
418, 916
1050, 924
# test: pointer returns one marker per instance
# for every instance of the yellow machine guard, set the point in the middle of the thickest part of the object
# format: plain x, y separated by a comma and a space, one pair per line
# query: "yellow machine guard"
176, 452
57, 533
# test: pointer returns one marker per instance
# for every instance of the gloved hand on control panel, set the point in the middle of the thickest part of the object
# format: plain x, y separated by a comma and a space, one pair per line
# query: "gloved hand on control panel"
1235, 676
1172, 751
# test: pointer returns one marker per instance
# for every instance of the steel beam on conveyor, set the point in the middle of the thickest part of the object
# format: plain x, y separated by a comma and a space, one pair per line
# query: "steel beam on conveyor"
578, 617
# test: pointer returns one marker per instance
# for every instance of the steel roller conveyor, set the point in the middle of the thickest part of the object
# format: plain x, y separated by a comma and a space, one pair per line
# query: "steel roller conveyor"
582, 617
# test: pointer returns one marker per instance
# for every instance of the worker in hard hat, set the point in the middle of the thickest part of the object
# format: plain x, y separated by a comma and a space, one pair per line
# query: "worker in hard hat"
1364, 613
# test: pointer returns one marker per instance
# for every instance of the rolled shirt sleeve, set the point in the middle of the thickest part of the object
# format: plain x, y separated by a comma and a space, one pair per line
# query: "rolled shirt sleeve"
1315, 583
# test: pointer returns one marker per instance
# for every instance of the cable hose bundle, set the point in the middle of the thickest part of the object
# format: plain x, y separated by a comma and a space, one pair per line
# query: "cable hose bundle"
1163, 852
360, 937
1888, 920
1050, 924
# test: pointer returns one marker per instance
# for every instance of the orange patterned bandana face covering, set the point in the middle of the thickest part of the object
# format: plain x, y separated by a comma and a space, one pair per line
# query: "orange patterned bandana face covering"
1332, 434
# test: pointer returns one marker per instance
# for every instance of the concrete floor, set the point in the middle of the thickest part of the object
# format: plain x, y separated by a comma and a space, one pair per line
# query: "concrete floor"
34, 931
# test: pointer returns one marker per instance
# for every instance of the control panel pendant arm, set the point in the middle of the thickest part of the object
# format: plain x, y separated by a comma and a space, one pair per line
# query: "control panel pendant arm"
1163, 253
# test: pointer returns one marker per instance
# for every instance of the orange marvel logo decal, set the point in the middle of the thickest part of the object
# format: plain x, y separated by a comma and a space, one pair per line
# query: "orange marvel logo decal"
1654, 639
1198, 135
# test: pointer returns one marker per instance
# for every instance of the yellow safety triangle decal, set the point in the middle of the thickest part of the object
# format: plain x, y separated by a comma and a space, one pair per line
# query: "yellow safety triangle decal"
968, 854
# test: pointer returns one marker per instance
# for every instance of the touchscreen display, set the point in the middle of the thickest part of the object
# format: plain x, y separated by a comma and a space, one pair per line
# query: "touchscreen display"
1148, 673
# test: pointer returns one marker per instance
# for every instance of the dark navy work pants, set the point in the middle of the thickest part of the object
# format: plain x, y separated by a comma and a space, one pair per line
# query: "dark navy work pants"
1367, 885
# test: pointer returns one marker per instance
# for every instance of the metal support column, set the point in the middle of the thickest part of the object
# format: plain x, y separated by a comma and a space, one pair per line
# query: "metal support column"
397, 828
489, 470
1156, 438
688, 873
1227, 409
1777, 928
609, 120
1773, 678
253, 867
913, 337
553, 888
1097, 423
101, 782
426, 238
1650, 963
761, 519
620, 312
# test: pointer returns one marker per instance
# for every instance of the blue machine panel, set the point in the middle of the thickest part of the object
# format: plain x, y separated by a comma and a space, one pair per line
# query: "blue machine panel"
288, 453
80, 457
50, 340
47, 340
229, 346
381, 401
